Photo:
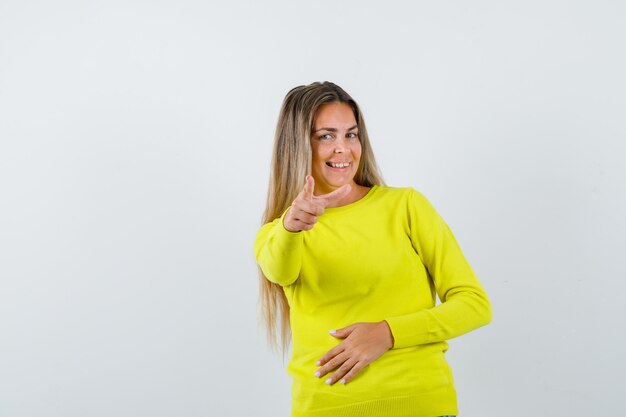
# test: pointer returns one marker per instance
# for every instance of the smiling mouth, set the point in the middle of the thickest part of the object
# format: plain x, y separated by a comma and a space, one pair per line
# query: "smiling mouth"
339, 164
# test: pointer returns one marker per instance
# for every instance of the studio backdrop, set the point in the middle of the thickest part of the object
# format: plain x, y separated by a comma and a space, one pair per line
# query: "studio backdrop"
135, 146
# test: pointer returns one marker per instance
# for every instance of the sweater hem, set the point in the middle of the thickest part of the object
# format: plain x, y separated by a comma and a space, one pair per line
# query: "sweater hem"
429, 404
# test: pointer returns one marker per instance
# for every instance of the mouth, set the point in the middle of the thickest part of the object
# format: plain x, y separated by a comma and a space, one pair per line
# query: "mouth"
339, 165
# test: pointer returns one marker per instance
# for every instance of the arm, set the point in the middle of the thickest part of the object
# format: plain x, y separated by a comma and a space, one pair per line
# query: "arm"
277, 248
465, 305
279, 251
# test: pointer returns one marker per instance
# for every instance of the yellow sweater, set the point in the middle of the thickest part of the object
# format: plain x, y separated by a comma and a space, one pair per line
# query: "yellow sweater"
382, 257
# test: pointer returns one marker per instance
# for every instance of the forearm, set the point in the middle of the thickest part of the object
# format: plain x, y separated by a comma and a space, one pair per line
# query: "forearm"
279, 252
460, 314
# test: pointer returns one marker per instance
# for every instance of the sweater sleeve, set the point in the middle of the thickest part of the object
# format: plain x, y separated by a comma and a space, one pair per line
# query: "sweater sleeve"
464, 303
279, 251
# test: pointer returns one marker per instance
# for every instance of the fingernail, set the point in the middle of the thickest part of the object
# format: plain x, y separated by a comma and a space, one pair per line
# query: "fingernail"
332, 331
328, 380
318, 363
317, 374
343, 381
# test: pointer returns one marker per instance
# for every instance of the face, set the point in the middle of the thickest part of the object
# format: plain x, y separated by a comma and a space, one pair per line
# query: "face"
336, 147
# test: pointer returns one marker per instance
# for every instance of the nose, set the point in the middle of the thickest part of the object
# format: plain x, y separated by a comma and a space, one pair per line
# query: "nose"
340, 145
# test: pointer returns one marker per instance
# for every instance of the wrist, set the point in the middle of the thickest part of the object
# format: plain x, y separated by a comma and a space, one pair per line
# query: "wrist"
387, 331
284, 217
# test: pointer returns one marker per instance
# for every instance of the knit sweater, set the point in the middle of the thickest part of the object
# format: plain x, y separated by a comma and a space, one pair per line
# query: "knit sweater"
383, 257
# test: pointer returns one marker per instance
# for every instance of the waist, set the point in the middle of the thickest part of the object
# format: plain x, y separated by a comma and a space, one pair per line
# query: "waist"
398, 372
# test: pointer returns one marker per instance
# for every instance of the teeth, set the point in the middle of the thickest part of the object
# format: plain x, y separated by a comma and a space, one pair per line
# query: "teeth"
340, 165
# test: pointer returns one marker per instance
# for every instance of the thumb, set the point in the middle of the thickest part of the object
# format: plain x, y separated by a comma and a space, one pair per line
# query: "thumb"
343, 332
309, 187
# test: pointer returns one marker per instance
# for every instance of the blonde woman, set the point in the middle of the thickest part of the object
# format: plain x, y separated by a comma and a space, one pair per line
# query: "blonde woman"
349, 269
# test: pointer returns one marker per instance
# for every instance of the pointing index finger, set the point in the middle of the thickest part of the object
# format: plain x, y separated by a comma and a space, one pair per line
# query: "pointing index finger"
333, 197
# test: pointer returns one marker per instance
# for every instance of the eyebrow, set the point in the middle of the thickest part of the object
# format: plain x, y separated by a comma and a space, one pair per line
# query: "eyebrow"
332, 129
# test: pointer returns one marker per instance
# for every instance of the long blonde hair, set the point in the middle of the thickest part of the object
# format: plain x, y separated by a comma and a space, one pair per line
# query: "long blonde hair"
291, 162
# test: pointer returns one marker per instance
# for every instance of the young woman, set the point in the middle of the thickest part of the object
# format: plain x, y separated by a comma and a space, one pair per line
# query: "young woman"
350, 268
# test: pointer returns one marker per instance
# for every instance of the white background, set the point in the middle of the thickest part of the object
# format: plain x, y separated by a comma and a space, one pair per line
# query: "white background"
135, 141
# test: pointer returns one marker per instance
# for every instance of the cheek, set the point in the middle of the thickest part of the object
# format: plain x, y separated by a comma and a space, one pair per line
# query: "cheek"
315, 152
356, 151
321, 152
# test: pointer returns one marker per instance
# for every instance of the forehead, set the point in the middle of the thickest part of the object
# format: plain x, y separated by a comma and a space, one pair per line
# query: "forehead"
334, 115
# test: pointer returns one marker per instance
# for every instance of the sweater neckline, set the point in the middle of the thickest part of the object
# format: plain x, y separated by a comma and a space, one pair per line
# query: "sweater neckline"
358, 202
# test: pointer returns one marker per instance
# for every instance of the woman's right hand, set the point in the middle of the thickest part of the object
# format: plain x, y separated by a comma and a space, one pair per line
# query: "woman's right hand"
306, 208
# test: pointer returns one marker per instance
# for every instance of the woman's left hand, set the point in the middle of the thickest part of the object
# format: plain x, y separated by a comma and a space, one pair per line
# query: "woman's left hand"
363, 344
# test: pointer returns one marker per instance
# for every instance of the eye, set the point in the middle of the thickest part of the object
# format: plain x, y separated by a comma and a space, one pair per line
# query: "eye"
353, 135
326, 136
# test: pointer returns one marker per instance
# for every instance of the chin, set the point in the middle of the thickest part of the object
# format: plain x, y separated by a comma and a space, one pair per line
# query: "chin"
340, 184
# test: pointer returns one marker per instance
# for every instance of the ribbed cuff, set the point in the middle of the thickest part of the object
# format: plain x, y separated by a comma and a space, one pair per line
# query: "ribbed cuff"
409, 329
